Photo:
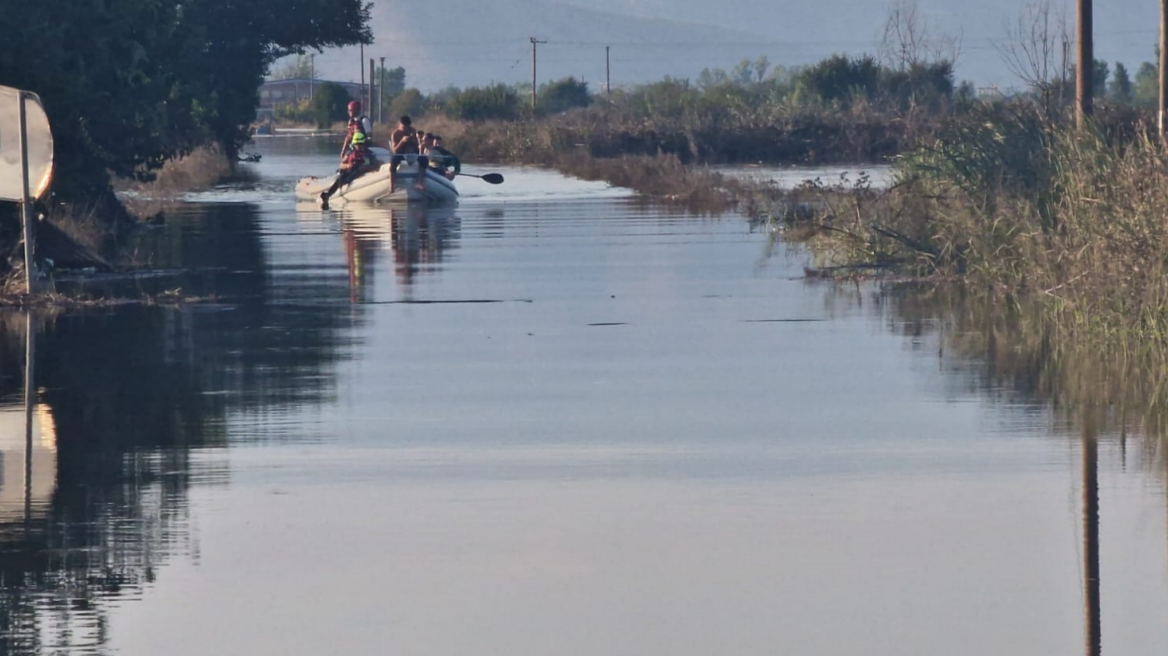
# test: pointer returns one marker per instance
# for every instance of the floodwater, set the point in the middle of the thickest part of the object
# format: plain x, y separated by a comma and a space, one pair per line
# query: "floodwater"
552, 420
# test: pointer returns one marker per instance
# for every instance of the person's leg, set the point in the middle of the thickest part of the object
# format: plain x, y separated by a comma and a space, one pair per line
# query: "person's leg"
343, 178
423, 164
393, 164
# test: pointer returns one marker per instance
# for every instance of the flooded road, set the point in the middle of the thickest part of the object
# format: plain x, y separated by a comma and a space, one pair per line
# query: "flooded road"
550, 421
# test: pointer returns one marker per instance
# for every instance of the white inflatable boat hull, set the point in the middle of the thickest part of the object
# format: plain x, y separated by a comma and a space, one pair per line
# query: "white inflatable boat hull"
373, 187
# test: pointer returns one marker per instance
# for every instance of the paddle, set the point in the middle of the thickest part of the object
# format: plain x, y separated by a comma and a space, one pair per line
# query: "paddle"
489, 178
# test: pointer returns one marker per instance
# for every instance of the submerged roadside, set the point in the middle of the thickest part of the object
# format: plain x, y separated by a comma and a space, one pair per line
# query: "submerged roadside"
96, 237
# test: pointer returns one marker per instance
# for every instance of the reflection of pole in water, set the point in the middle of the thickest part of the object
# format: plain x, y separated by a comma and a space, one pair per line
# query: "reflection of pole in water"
29, 400
1092, 616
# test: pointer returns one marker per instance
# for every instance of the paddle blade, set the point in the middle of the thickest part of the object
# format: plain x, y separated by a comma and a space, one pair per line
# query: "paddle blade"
493, 178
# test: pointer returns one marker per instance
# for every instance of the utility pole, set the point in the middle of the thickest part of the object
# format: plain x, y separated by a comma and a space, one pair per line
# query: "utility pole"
381, 94
311, 76
26, 212
608, 73
369, 105
1163, 104
1092, 615
1086, 63
534, 41
361, 65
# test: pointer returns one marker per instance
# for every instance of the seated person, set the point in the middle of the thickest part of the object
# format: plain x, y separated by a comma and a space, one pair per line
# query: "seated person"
442, 160
357, 162
358, 122
404, 141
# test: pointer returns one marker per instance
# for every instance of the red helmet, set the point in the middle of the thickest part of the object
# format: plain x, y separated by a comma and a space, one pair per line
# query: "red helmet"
355, 106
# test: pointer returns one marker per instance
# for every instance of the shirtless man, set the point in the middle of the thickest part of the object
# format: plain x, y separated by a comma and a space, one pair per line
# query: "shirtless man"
404, 141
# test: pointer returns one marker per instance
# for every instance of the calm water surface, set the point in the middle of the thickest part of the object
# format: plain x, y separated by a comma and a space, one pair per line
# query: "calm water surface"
548, 421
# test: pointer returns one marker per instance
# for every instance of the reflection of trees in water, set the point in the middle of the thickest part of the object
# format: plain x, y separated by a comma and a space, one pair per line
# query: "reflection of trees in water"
1013, 354
133, 391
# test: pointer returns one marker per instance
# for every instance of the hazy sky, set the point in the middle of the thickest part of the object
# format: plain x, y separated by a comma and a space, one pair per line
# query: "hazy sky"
462, 42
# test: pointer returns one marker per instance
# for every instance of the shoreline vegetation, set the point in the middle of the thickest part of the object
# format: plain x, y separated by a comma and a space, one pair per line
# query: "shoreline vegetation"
1026, 207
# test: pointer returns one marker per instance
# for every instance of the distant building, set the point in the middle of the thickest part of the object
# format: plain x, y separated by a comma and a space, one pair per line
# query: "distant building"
990, 94
277, 93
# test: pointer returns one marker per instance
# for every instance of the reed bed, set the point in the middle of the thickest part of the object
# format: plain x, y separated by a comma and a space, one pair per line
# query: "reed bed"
1007, 200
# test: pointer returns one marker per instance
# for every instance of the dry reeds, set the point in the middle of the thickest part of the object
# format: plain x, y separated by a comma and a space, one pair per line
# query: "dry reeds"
1007, 200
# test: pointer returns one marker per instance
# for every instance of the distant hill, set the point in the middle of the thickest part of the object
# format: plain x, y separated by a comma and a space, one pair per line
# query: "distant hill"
470, 42
465, 42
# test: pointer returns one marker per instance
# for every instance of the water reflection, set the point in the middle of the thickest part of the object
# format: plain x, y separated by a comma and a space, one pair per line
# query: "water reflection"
418, 238
1011, 354
131, 407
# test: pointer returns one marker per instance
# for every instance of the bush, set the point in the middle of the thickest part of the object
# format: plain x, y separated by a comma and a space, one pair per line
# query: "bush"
927, 85
840, 79
669, 98
562, 95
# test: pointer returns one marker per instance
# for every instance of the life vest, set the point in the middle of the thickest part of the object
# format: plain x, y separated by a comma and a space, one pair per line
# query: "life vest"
356, 157
359, 124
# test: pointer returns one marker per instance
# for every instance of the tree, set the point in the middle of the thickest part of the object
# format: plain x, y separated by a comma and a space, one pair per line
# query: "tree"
1147, 88
330, 104
909, 41
562, 95
129, 84
410, 102
394, 80
921, 85
1038, 50
298, 68
840, 78
1121, 85
1101, 73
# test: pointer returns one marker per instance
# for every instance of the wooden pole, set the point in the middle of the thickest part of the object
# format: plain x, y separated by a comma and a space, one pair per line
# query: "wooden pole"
1163, 103
534, 41
1092, 617
608, 72
381, 93
1084, 71
26, 215
372, 85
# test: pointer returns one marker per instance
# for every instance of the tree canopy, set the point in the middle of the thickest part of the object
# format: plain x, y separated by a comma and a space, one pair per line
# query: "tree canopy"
128, 84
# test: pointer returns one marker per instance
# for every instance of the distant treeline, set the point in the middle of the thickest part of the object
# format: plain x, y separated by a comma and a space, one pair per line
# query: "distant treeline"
130, 84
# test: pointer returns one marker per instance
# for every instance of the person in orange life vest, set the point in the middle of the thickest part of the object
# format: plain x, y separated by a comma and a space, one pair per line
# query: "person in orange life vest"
358, 122
357, 162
